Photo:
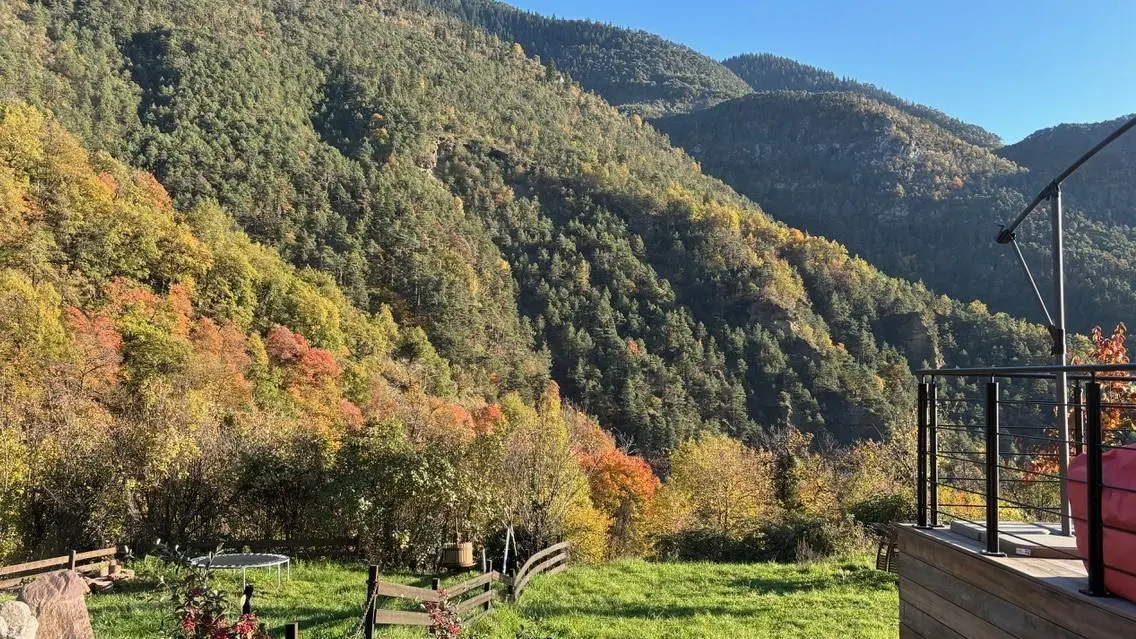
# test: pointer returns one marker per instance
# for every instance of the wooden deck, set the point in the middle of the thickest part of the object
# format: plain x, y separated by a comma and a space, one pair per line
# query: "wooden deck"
949, 590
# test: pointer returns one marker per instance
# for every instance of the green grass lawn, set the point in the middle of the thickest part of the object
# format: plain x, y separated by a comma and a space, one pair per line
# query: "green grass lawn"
845, 599
674, 601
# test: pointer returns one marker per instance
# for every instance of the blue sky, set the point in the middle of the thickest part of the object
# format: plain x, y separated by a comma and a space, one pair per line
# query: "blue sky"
1011, 66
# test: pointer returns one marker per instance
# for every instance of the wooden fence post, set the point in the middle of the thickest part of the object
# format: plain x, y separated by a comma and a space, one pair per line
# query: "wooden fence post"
292, 631
489, 584
71, 561
369, 614
246, 600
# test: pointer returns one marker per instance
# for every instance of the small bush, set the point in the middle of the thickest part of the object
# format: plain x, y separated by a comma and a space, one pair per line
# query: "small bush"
802, 538
709, 545
797, 538
883, 509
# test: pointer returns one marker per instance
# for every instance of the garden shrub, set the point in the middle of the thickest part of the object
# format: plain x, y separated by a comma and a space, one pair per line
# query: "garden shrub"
883, 509
710, 545
800, 538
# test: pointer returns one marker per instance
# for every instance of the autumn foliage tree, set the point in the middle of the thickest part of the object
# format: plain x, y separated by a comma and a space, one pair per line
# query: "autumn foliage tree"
621, 486
1111, 349
161, 376
726, 485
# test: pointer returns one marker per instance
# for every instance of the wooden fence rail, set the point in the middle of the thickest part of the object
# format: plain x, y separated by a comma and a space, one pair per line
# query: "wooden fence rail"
468, 609
552, 560
85, 562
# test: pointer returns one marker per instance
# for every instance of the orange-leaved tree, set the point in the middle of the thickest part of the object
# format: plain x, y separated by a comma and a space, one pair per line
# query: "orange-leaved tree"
620, 484
1106, 349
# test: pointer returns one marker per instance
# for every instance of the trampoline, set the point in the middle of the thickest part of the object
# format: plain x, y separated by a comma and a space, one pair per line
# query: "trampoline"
243, 561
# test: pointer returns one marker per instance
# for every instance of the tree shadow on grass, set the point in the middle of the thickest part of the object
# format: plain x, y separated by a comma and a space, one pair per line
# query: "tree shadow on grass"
656, 612
312, 618
131, 587
861, 578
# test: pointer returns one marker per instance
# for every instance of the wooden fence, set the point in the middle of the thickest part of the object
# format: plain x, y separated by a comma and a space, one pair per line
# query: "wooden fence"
80, 561
551, 560
469, 600
457, 598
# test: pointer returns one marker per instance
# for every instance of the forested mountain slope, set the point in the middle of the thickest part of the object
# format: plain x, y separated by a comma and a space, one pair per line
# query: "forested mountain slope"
634, 70
159, 371
529, 227
908, 195
1104, 189
768, 72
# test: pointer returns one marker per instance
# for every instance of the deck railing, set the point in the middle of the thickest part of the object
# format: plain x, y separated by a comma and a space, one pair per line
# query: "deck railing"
994, 442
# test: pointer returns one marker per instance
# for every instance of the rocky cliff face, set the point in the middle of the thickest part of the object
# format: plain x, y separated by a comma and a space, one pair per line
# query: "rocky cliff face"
914, 336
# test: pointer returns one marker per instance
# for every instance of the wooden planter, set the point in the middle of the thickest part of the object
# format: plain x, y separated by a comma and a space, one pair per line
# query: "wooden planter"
459, 555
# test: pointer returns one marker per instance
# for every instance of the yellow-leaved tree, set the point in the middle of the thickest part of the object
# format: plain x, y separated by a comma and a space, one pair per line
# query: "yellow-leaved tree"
725, 485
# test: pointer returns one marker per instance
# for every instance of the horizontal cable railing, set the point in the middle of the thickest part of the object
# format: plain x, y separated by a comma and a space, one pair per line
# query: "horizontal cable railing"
992, 445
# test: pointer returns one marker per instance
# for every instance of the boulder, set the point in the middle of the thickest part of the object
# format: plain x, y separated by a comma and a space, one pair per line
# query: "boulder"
58, 600
17, 621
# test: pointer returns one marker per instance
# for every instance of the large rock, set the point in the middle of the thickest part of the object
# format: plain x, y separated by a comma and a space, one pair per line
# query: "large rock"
58, 600
17, 621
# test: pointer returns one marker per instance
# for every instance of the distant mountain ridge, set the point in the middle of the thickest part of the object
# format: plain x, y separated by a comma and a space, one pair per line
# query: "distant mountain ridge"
912, 197
637, 71
768, 72
1104, 189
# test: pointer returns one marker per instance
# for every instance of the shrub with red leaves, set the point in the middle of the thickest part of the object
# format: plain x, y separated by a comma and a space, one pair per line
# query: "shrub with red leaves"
444, 622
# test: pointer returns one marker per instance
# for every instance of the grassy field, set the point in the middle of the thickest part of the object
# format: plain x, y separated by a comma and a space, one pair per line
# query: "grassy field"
688, 601
845, 599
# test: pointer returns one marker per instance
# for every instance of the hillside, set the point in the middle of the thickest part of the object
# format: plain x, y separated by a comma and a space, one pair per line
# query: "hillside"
768, 72
157, 365
907, 195
526, 226
1103, 189
634, 70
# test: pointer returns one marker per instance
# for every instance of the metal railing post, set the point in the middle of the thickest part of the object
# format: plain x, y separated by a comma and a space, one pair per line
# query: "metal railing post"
933, 452
993, 547
921, 453
1078, 419
1093, 480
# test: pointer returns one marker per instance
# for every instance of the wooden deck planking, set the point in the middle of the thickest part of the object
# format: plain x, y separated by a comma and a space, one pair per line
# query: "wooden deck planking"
989, 607
959, 619
943, 575
1022, 540
923, 624
1068, 576
905, 632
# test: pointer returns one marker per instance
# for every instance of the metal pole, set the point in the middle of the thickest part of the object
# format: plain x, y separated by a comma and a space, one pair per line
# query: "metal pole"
1060, 351
933, 451
993, 547
921, 453
1093, 480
